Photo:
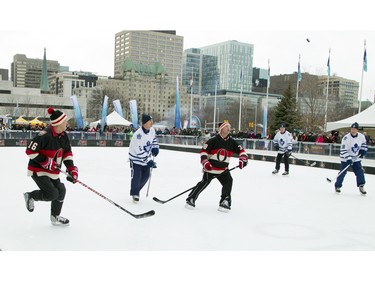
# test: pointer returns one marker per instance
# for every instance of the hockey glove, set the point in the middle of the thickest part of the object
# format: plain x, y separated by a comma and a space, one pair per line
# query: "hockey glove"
151, 164
243, 161
362, 153
276, 146
73, 174
155, 151
49, 164
206, 165
288, 153
349, 162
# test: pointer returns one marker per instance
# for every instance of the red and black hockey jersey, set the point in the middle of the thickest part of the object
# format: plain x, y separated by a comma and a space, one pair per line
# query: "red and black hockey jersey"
219, 151
49, 144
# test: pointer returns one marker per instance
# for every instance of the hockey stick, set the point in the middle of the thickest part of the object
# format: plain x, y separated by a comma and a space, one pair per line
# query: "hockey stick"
149, 180
311, 165
343, 170
137, 216
165, 201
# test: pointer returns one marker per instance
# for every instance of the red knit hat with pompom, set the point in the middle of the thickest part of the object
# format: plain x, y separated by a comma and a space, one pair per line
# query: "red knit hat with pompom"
57, 116
223, 124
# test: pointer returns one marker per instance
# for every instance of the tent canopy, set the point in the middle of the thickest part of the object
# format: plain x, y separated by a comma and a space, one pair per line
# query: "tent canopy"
113, 119
36, 122
21, 121
365, 119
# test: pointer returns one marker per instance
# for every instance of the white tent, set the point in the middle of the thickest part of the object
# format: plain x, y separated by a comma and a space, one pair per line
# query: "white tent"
365, 119
113, 119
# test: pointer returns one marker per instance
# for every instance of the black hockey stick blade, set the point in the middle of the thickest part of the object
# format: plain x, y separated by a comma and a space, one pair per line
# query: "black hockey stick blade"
165, 201
159, 201
329, 180
144, 215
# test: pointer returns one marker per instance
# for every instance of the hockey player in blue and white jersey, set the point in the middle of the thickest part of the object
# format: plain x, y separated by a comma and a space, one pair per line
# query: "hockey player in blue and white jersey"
283, 143
142, 147
353, 149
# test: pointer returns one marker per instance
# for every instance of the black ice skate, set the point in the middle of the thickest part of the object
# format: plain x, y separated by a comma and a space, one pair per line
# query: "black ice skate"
190, 204
224, 206
275, 172
362, 189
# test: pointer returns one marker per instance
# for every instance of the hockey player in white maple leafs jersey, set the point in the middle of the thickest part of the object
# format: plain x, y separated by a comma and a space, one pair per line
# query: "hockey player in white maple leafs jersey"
282, 142
353, 149
143, 146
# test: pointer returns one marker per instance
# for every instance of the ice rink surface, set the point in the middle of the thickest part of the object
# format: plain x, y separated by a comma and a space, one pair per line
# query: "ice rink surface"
274, 218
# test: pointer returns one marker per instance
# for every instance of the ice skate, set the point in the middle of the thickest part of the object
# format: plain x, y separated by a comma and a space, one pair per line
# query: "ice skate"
135, 199
29, 201
362, 189
190, 204
275, 172
285, 173
224, 206
59, 220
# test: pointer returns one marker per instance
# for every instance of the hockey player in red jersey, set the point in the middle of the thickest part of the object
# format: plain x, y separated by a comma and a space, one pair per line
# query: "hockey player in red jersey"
47, 151
215, 157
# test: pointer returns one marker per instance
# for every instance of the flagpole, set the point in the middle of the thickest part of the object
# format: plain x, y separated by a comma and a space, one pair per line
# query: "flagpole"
298, 78
363, 68
265, 112
327, 88
239, 114
191, 97
214, 125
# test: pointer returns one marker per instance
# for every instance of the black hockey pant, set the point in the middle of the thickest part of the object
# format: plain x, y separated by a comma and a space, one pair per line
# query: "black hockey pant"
286, 161
50, 190
225, 179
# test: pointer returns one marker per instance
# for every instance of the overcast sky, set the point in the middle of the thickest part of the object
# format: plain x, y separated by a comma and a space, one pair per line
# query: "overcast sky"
81, 36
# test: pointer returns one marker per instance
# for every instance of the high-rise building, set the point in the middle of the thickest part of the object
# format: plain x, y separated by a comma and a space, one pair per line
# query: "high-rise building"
27, 73
234, 64
147, 48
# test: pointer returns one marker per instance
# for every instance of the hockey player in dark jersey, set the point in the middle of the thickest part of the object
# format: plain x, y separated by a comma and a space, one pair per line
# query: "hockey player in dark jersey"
47, 151
215, 157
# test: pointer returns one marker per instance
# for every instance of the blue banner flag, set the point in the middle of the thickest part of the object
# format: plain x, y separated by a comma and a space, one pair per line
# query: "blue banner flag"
177, 109
77, 112
134, 113
365, 61
118, 107
104, 114
264, 133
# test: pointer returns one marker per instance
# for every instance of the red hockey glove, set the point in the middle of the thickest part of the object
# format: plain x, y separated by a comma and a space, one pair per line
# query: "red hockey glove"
49, 164
206, 165
73, 174
242, 161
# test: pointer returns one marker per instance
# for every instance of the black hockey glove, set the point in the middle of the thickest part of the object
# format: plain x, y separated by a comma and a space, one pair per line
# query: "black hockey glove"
276, 146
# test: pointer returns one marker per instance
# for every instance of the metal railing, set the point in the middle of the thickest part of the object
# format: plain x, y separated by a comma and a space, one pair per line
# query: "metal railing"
328, 149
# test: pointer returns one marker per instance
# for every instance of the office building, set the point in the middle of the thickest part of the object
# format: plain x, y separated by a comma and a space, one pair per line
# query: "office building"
27, 73
147, 48
234, 64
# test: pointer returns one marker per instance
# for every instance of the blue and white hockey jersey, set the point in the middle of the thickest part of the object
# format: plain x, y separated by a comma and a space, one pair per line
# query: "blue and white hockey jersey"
141, 144
350, 147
